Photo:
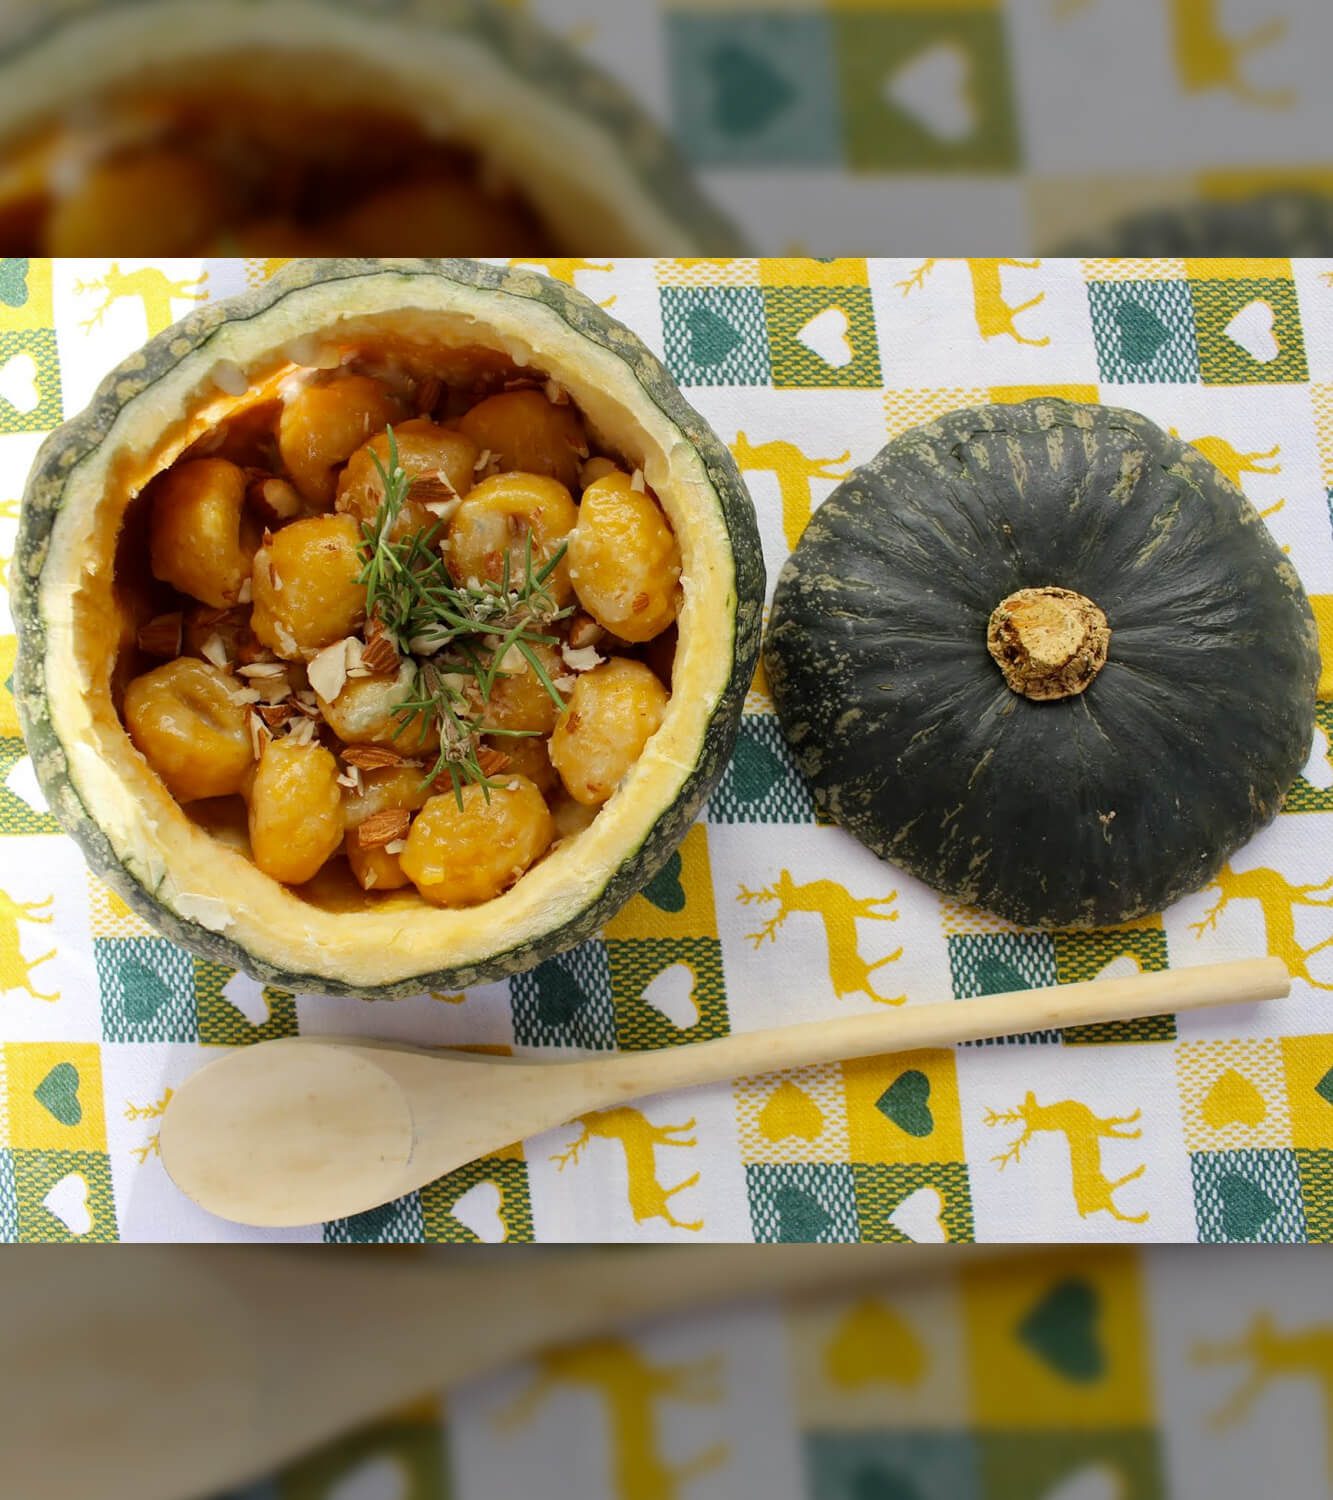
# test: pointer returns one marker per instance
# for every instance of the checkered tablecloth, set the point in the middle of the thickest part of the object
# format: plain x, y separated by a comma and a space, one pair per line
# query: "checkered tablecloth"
805, 368
1103, 1375
885, 126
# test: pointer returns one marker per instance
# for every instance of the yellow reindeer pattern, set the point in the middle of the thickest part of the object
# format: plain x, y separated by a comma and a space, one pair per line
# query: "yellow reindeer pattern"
15, 970
154, 289
639, 1139
794, 472
631, 1389
154, 1111
993, 314
839, 911
1084, 1132
1207, 59
1278, 898
1274, 1356
1232, 462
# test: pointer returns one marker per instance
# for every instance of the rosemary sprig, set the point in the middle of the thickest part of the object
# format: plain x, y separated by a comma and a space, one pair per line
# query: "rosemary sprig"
458, 634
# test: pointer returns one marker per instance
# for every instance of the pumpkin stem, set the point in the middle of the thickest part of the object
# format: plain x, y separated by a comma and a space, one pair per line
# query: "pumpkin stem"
1049, 643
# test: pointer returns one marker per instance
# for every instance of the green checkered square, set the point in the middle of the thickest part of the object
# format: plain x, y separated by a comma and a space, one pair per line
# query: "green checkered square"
38, 1173
638, 967
510, 1176
883, 128
1248, 1196
846, 320
1304, 796
16, 817
37, 348
396, 1223
566, 1001
754, 88
1316, 1174
222, 1024
990, 963
415, 1451
1030, 1465
1144, 331
1222, 361
761, 783
802, 1202
889, 1465
147, 987
9, 1199
715, 335
1083, 955
882, 1188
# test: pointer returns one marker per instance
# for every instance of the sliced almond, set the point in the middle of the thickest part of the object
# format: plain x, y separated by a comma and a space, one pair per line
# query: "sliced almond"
246, 593
395, 846
260, 735
636, 482
483, 460
328, 671
566, 683
428, 395
432, 489
584, 631
214, 650
380, 655
263, 669
243, 695
492, 761
161, 636
556, 394
272, 499
581, 659
373, 757
301, 730
274, 715
384, 827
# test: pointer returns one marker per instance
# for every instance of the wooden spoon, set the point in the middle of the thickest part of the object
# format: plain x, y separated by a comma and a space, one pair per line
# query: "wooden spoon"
177, 1372
301, 1130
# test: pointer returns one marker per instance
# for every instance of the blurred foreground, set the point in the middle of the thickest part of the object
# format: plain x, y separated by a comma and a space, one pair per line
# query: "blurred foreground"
835, 1373
595, 127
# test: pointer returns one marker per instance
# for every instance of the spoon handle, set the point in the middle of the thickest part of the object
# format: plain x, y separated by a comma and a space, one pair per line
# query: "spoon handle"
1238, 982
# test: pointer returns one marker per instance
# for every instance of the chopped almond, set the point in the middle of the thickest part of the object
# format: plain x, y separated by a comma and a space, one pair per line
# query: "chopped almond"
428, 395
584, 631
491, 761
373, 757
380, 655
161, 636
274, 714
384, 827
272, 499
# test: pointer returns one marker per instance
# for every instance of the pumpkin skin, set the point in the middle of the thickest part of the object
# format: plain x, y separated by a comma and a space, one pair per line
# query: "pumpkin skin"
1085, 811
395, 950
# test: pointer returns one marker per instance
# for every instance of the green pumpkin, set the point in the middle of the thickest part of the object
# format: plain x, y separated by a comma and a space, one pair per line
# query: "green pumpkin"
195, 886
1048, 659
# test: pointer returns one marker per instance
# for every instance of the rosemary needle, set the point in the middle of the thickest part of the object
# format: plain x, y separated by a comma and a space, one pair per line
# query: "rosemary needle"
458, 636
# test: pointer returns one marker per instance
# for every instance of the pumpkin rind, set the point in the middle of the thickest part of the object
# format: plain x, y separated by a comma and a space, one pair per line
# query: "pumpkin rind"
530, 54
78, 438
1093, 809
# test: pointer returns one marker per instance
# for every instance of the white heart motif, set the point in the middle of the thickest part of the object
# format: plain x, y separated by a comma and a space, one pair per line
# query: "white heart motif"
1252, 329
1318, 769
1092, 1482
671, 993
18, 384
247, 995
379, 1478
825, 336
22, 781
1122, 966
934, 88
918, 1217
479, 1210
68, 1201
